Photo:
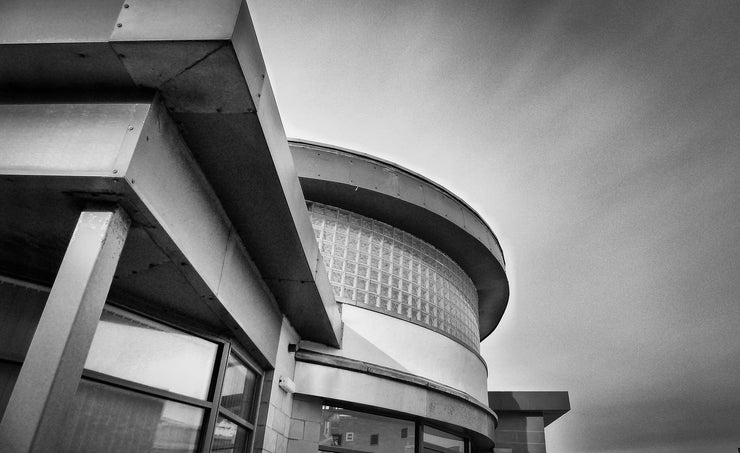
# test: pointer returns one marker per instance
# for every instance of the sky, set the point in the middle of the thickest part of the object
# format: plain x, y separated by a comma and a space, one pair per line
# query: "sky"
601, 142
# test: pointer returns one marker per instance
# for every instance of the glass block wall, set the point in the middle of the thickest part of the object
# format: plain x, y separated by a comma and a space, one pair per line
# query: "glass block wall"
378, 267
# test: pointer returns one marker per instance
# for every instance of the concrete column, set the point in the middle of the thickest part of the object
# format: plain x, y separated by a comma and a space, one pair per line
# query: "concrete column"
51, 371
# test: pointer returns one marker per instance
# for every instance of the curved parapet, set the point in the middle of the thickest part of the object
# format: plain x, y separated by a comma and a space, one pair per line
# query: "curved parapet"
410, 203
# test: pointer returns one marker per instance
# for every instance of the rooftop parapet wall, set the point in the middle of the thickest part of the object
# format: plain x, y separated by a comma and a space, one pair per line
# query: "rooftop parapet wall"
386, 192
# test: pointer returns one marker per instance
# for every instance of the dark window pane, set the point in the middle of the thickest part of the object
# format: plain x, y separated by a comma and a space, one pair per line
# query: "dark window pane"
238, 389
229, 437
8, 376
20, 311
137, 349
359, 431
112, 420
436, 441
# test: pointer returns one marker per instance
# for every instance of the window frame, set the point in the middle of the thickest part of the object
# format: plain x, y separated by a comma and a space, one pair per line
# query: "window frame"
212, 405
465, 439
419, 425
223, 361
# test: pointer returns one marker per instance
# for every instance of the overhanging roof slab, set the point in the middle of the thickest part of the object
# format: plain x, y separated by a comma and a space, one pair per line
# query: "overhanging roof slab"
204, 60
551, 405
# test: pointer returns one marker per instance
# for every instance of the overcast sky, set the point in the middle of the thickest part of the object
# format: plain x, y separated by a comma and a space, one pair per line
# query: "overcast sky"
600, 140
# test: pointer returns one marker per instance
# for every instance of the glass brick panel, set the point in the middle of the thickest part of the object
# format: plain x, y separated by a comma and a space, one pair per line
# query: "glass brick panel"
382, 268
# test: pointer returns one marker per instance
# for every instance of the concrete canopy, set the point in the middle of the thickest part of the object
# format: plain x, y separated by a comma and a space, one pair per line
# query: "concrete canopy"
204, 61
551, 405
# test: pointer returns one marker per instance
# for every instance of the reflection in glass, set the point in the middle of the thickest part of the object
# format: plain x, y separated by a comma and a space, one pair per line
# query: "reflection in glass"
229, 437
137, 349
358, 431
112, 420
436, 441
238, 388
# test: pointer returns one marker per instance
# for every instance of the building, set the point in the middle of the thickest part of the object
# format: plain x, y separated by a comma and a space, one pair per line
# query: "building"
523, 416
176, 276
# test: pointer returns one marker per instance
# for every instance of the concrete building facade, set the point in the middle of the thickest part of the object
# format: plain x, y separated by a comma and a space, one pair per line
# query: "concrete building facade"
176, 276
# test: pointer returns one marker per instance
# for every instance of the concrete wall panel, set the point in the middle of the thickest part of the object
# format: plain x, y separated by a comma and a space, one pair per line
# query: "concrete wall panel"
343, 385
67, 139
274, 423
387, 341
244, 295
411, 190
165, 176
170, 20
55, 21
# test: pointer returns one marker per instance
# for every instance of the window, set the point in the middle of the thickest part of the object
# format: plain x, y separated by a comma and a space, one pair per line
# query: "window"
149, 387
436, 441
20, 310
363, 432
233, 428
350, 431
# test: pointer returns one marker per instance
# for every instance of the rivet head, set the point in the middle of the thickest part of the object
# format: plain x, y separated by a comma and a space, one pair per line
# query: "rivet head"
115, 171
126, 5
131, 128
119, 25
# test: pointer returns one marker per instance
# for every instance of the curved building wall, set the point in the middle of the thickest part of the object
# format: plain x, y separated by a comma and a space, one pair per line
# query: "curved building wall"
388, 193
372, 337
378, 267
318, 385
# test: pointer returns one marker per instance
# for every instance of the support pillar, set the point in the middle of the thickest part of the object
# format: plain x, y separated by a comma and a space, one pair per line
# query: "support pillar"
51, 371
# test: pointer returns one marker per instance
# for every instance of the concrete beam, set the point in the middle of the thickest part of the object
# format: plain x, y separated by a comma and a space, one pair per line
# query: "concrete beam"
135, 154
551, 405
